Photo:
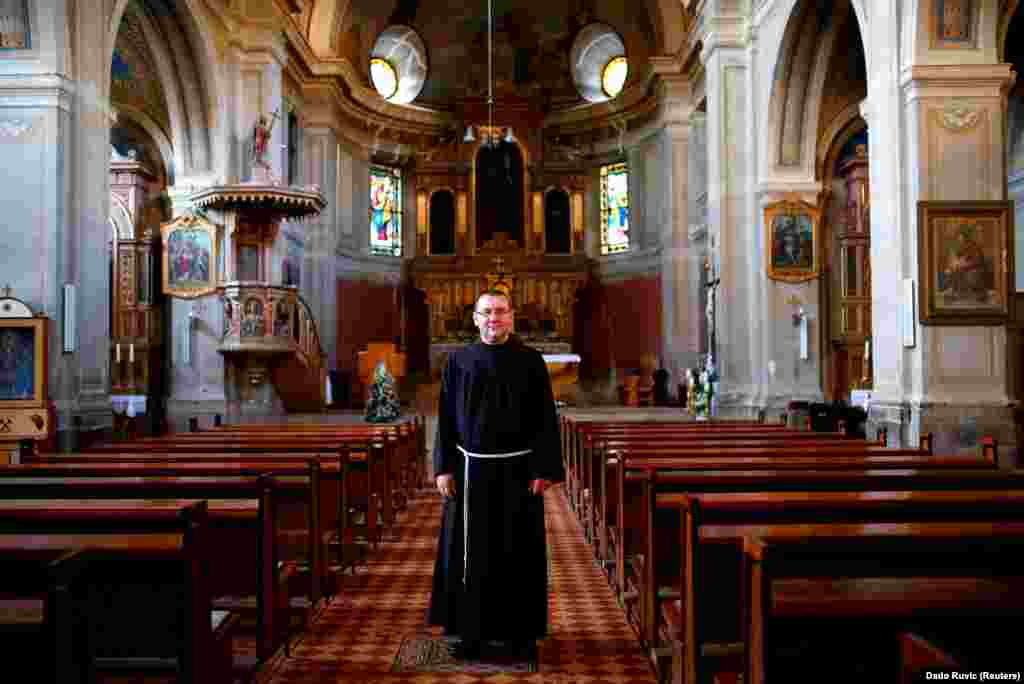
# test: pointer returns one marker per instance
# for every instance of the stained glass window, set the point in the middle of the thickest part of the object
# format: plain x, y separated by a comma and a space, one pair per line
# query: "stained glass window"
385, 211
614, 208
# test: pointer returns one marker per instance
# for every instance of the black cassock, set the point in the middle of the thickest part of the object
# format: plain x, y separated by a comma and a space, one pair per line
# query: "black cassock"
490, 576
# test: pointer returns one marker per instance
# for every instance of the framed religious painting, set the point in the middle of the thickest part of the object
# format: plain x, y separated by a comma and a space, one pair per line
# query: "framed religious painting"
25, 410
189, 256
792, 252
965, 262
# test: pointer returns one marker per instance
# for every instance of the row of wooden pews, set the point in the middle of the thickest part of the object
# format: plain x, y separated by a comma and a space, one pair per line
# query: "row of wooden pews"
285, 510
719, 537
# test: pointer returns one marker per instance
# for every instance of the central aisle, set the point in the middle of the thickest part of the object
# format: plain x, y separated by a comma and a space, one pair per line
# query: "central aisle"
358, 636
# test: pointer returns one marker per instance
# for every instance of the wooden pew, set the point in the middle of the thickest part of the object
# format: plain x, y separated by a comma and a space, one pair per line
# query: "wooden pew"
380, 466
952, 568
595, 472
249, 538
582, 434
701, 559
39, 621
600, 511
179, 628
643, 481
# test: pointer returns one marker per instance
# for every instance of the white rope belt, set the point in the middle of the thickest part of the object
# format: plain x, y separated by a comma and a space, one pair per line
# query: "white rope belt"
465, 501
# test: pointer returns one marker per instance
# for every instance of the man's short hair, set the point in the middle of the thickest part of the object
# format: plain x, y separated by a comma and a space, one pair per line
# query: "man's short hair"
494, 293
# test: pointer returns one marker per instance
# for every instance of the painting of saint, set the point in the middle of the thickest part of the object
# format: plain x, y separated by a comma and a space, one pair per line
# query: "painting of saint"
17, 364
252, 322
282, 320
954, 18
14, 34
188, 258
966, 277
792, 242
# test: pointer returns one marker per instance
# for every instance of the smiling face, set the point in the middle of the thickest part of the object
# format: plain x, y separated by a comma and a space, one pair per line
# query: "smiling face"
493, 317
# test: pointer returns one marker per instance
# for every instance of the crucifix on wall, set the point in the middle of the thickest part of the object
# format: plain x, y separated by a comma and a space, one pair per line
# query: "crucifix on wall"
711, 283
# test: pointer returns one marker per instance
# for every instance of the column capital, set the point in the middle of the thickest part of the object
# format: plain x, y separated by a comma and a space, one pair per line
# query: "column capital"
725, 31
957, 80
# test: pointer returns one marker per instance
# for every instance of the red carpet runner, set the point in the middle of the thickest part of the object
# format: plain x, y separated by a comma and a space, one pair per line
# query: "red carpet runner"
358, 636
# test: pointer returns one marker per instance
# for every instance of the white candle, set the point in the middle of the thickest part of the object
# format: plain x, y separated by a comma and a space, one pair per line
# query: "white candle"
867, 348
117, 351
131, 353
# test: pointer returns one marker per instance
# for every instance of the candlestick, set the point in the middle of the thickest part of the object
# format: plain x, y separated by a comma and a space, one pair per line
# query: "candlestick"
117, 352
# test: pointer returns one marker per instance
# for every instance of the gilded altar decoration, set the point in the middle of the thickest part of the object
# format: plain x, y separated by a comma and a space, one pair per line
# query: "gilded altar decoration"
190, 256
791, 241
965, 262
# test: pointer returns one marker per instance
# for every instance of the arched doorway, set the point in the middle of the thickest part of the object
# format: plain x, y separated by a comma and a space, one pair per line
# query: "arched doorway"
846, 287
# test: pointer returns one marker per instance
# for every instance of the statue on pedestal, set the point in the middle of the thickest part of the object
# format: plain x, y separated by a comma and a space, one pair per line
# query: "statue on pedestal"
260, 147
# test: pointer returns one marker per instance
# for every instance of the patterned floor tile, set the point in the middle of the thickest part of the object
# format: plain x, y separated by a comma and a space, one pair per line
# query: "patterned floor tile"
356, 639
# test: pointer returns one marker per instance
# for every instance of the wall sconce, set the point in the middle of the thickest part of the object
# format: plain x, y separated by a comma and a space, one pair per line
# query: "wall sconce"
70, 320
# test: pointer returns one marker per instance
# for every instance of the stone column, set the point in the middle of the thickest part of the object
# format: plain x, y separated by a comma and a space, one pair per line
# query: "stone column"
680, 319
319, 272
44, 232
732, 225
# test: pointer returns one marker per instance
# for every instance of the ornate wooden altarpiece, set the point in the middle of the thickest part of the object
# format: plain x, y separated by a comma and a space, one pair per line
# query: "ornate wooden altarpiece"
25, 411
542, 289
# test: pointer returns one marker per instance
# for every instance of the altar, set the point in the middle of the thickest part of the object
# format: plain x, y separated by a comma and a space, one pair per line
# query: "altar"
563, 365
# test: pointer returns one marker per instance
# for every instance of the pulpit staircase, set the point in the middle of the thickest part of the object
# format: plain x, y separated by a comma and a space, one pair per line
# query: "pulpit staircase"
300, 378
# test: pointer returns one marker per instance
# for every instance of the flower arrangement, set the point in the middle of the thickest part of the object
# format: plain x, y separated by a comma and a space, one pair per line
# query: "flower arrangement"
700, 390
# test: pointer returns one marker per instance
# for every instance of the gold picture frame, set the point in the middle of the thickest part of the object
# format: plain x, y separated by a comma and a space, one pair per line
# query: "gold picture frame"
965, 261
190, 256
792, 249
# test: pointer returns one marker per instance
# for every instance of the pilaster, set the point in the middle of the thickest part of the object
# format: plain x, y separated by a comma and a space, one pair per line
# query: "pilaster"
319, 273
955, 382
733, 228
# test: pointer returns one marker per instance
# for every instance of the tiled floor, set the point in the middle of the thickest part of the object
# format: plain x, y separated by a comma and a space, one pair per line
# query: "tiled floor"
357, 637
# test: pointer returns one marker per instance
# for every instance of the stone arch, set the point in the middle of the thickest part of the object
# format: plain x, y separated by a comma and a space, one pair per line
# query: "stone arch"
163, 143
800, 74
187, 70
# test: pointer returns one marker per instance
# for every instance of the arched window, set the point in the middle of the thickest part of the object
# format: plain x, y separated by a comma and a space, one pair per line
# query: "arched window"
614, 208
385, 211
556, 222
442, 222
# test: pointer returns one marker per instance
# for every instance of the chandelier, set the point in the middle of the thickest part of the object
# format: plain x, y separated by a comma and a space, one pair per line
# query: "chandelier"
489, 138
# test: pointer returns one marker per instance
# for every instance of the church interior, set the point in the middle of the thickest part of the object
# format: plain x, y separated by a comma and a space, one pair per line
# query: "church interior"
772, 242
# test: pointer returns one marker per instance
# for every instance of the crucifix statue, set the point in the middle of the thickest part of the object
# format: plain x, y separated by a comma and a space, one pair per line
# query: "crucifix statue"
711, 283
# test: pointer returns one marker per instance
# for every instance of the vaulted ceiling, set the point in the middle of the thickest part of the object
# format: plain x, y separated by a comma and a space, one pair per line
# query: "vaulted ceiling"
532, 39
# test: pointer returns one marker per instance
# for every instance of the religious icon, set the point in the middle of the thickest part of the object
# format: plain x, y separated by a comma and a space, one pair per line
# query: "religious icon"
190, 256
791, 241
252, 321
282, 319
17, 364
965, 262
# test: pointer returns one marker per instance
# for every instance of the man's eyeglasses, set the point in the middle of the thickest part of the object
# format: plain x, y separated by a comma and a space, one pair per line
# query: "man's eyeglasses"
487, 313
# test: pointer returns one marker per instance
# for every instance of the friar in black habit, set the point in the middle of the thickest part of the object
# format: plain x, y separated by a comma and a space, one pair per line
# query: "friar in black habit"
497, 451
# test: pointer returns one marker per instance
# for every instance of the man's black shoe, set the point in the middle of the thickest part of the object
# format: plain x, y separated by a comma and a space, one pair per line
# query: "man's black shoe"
467, 650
